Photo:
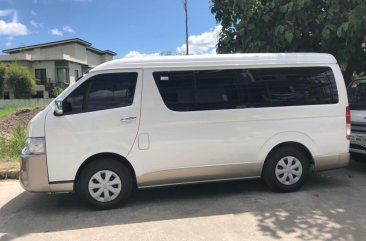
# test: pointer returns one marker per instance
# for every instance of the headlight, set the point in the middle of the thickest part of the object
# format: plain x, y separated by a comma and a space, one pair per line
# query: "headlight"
34, 145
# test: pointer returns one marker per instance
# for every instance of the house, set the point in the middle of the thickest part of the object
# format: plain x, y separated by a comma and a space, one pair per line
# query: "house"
57, 63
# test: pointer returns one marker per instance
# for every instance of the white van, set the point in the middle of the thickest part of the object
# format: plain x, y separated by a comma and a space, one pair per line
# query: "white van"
357, 102
138, 123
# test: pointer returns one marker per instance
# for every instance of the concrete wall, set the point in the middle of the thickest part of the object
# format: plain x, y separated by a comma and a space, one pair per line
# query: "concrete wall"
80, 52
107, 57
93, 59
24, 102
49, 52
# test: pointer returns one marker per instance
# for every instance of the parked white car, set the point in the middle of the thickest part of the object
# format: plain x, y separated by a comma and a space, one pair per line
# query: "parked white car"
139, 123
357, 101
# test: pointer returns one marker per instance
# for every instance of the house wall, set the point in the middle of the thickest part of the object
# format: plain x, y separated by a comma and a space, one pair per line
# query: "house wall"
106, 57
56, 52
50, 69
93, 59
80, 52
72, 68
78, 56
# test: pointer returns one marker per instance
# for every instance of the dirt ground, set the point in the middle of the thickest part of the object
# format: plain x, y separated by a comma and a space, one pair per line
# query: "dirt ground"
9, 169
21, 117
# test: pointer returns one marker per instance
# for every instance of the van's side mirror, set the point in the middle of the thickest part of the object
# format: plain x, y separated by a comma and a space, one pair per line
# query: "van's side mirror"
58, 107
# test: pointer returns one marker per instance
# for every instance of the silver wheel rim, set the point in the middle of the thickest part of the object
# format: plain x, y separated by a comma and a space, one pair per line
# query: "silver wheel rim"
288, 170
104, 186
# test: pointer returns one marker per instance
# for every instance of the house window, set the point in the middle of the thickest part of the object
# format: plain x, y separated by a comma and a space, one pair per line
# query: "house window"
63, 75
41, 76
76, 72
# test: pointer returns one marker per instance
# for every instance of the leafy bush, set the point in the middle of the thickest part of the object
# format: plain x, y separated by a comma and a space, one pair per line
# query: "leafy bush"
56, 91
10, 148
2, 80
21, 81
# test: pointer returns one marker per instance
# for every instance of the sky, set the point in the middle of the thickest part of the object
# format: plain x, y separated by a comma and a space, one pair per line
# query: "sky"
131, 28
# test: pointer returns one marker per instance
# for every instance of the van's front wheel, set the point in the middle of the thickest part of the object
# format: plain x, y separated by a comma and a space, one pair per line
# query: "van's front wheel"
105, 184
286, 169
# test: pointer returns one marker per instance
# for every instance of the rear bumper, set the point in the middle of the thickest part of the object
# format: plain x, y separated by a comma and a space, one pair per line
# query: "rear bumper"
33, 173
356, 150
330, 162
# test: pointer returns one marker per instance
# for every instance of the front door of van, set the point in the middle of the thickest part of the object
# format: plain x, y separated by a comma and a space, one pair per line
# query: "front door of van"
101, 115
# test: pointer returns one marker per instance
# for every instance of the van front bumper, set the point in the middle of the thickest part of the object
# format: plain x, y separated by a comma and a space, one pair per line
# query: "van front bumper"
33, 173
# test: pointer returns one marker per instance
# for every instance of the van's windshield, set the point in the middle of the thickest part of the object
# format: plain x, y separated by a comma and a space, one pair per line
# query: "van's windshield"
357, 95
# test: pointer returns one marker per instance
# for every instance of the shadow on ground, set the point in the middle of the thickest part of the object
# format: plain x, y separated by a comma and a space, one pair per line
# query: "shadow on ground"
330, 207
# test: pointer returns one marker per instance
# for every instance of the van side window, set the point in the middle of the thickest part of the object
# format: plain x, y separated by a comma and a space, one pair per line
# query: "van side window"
100, 92
246, 88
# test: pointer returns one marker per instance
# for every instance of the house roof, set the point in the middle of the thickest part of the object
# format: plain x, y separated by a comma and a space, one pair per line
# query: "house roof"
61, 42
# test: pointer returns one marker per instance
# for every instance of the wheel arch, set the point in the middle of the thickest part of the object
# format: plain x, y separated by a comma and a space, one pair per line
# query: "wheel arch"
111, 155
294, 139
291, 144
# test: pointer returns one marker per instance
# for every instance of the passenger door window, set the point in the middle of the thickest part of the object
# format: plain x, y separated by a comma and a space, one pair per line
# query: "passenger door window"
246, 88
101, 92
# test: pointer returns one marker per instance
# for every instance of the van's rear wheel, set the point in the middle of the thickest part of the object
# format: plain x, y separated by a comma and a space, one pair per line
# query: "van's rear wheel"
286, 169
105, 184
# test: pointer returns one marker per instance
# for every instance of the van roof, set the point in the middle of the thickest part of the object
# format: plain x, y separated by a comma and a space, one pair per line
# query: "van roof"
219, 60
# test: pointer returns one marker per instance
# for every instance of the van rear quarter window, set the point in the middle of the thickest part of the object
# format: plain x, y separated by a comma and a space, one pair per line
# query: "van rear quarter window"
100, 92
246, 88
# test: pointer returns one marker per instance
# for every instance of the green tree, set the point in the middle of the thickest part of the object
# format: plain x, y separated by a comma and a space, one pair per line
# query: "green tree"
2, 80
21, 81
328, 26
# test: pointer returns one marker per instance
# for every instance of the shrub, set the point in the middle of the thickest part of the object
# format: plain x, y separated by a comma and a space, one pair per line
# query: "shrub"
21, 81
56, 91
2, 80
11, 149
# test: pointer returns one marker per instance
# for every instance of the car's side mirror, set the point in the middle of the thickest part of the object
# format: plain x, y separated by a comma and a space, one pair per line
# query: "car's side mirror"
58, 107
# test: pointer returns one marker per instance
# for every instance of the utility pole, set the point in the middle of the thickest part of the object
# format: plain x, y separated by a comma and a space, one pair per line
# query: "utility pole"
186, 13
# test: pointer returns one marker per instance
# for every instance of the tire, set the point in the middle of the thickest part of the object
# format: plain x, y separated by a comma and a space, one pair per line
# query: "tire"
276, 167
93, 188
358, 157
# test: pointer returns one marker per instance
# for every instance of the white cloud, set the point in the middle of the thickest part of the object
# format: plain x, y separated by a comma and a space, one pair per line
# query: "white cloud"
33, 13
204, 43
56, 32
68, 29
13, 28
137, 54
6, 12
35, 24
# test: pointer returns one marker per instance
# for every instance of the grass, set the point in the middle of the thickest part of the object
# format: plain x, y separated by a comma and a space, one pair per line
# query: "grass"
8, 111
10, 149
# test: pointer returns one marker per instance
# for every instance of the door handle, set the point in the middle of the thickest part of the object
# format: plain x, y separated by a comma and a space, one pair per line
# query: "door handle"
128, 119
